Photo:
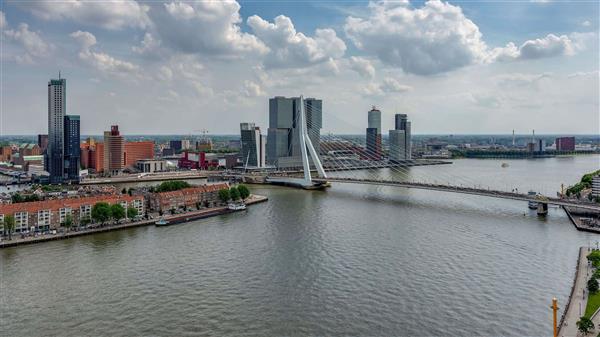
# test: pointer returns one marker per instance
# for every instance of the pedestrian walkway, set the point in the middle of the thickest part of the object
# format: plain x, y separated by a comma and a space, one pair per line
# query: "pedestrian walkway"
578, 301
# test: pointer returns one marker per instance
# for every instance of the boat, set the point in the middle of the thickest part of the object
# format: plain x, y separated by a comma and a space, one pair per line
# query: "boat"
161, 222
532, 204
504, 165
236, 206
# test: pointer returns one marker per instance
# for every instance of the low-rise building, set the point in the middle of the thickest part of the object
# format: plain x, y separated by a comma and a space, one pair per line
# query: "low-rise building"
151, 165
596, 186
50, 214
206, 196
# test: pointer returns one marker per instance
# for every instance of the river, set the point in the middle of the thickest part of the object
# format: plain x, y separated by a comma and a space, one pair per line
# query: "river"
352, 260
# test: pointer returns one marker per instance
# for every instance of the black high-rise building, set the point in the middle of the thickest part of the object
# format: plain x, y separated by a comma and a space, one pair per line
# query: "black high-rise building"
71, 150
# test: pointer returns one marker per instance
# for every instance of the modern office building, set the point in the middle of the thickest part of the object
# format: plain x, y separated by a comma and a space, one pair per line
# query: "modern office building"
176, 145
400, 139
134, 151
373, 148
72, 151
114, 150
252, 145
54, 161
283, 140
42, 142
565, 144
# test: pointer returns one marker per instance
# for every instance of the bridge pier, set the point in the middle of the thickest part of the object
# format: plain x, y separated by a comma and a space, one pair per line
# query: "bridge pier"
542, 209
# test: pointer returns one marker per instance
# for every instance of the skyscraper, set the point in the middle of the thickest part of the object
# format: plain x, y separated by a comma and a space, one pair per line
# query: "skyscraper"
283, 140
72, 150
252, 146
54, 160
114, 150
400, 139
374, 134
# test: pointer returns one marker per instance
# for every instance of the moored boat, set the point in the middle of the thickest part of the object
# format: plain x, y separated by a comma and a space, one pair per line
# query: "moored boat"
161, 222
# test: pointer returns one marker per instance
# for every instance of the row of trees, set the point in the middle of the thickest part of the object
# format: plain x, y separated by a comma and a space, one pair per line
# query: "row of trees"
234, 193
101, 213
585, 324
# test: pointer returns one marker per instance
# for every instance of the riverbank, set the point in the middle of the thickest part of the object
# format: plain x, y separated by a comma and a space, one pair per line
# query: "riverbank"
579, 218
177, 218
577, 301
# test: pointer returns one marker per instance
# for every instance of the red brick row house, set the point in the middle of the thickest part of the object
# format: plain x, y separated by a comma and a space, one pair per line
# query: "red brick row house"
50, 214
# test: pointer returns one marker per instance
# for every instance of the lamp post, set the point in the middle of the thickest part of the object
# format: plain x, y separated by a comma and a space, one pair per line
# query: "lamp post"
554, 315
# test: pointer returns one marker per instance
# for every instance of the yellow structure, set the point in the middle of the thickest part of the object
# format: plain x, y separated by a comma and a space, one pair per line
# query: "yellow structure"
554, 315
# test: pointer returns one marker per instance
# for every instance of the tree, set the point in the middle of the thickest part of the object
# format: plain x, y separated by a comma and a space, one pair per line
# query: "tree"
124, 190
592, 285
244, 191
117, 211
9, 225
224, 195
16, 198
584, 325
132, 212
174, 185
101, 212
68, 223
234, 193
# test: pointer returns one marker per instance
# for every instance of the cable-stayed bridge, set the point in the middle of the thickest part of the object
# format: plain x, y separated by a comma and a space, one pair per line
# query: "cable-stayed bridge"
334, 163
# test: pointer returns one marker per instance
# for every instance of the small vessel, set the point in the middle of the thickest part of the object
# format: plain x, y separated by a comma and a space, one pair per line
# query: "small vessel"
161, 222
532, 204
236, 206
504, 165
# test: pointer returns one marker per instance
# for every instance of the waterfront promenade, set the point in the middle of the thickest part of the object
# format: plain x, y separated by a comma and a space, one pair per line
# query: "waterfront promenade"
578, 298
193, 215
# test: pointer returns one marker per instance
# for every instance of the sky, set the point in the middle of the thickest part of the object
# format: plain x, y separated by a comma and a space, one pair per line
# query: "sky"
179, 67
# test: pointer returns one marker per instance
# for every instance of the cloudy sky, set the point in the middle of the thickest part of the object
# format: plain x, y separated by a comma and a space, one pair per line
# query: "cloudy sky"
165, 67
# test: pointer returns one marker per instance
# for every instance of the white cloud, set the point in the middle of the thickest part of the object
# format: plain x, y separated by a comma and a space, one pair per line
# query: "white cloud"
149, 45
586, 23
252, 89
208, 27
3, 22
548, 46
388, 85
432, 39
165, 73
114, 14
485, 100
102, 61
392, 85
362, 66
31, 42
289, 48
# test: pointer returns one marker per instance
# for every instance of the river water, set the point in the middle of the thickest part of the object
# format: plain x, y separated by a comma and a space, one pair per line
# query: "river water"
352, 260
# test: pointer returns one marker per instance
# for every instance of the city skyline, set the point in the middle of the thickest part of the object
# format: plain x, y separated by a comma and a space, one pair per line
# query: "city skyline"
502, 66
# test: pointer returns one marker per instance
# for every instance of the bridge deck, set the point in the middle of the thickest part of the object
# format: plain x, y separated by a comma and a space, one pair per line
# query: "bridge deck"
464, 190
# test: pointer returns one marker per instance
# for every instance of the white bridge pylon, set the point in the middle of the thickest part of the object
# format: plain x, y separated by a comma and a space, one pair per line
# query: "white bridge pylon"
306, 147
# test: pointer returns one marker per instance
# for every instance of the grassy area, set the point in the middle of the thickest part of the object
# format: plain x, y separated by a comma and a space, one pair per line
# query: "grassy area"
593, 304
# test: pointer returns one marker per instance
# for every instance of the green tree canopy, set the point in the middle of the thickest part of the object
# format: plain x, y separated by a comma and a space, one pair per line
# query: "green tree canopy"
234, 193
101, 212
9, 225
117, 212
132, 212
244, 191
172, 186
224, 195
68, 223
592, 285
585, 325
